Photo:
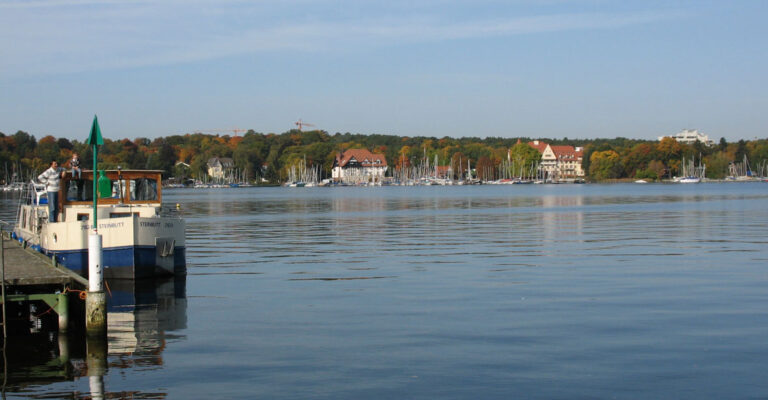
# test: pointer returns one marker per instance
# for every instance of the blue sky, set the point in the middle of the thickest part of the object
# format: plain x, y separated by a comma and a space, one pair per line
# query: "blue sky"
547, 68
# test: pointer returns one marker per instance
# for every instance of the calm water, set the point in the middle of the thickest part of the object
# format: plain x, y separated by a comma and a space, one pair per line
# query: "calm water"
537, 291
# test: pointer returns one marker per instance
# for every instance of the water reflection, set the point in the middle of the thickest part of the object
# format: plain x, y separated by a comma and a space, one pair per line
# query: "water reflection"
139, 314
142, 318
493, 292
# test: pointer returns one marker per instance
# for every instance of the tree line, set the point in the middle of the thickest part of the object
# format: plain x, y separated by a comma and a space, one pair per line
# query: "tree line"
270, 156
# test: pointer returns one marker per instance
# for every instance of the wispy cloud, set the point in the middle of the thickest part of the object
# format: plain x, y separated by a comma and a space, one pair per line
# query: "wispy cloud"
81, 35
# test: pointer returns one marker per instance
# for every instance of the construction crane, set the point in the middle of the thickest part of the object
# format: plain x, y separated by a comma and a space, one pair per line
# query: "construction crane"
302, 124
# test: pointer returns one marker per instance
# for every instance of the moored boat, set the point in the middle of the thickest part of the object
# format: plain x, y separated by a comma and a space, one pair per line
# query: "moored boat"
139, 238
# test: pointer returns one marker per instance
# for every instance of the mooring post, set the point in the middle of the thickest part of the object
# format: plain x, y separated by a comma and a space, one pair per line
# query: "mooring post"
63, 342
63, 310
96, 301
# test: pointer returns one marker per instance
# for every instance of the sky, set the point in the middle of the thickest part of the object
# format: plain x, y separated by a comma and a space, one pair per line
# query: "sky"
481, 68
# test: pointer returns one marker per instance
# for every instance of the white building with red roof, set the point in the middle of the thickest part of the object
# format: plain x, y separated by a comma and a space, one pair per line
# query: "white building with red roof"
358, 165
559, 162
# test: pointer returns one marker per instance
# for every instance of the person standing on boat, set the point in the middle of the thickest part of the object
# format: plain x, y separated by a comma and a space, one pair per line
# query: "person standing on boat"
52, 180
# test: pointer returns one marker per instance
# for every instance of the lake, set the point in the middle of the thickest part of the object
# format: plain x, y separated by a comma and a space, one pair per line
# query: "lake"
468, 292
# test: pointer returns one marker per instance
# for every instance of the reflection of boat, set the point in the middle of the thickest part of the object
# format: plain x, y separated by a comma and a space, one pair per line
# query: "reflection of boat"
139, 238
143, 316
141, 311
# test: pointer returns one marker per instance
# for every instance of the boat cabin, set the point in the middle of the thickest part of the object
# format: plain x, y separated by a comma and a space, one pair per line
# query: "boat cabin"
128, 192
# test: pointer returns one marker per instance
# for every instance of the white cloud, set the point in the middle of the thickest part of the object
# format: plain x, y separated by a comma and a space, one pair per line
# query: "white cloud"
38, 37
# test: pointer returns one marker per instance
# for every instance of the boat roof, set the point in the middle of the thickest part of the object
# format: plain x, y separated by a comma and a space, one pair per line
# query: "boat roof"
152, 171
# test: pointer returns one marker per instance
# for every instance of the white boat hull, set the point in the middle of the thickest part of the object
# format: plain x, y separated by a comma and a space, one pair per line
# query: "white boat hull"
133, 246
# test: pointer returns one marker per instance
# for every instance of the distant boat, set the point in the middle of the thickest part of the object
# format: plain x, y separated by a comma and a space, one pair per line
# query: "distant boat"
689, 179
296, 184
691, 173
641, 181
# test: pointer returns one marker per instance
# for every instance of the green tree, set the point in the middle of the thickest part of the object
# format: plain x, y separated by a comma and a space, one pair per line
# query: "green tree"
605, 165
717, 165
522, 154
723, 146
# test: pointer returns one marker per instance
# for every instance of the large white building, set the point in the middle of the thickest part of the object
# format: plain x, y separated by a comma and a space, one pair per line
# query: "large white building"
218, 167
359, 165
691, 136
559, 162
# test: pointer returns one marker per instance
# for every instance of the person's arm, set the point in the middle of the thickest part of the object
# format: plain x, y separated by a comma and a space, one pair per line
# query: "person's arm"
43, 177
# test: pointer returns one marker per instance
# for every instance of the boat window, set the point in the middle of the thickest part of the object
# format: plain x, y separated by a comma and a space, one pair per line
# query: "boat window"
78, 190
143, 189
119, 214
83, 216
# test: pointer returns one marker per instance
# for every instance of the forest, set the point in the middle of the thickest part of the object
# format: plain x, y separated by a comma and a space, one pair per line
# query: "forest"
269, 157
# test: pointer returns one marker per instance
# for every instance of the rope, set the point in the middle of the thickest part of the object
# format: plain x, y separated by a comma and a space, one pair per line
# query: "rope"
82, 294
47, 311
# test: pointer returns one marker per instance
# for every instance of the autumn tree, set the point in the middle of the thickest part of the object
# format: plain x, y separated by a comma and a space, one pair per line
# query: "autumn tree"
605, 165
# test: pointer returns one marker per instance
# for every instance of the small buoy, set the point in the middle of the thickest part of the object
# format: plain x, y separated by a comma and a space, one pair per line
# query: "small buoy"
178, 206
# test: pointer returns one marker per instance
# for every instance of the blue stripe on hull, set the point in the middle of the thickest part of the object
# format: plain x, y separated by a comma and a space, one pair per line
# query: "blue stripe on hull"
121, 262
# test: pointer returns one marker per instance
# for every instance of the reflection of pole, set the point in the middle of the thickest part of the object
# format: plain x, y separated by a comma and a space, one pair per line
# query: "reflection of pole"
97, 364
5, 332
2, 283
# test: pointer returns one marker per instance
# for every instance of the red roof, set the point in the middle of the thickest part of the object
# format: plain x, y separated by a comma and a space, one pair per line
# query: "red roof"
540, 146
561, 152
566, 152
364, 157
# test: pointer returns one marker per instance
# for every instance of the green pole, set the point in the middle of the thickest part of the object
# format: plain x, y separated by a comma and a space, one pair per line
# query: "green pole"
95, 140
95, 193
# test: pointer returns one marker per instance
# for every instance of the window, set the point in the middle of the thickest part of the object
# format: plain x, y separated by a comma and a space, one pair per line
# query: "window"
78, 190
143, 189
119, 214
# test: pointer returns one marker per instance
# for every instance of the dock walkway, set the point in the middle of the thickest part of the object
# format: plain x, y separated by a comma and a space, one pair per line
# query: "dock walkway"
31, 276
26, 267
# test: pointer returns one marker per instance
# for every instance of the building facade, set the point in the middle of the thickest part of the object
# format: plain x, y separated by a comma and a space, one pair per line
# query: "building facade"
559, 162
218, 167
358, 166
691, 136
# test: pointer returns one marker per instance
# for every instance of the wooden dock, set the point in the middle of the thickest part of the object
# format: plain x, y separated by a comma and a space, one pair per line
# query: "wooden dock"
26, 267
31, 276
